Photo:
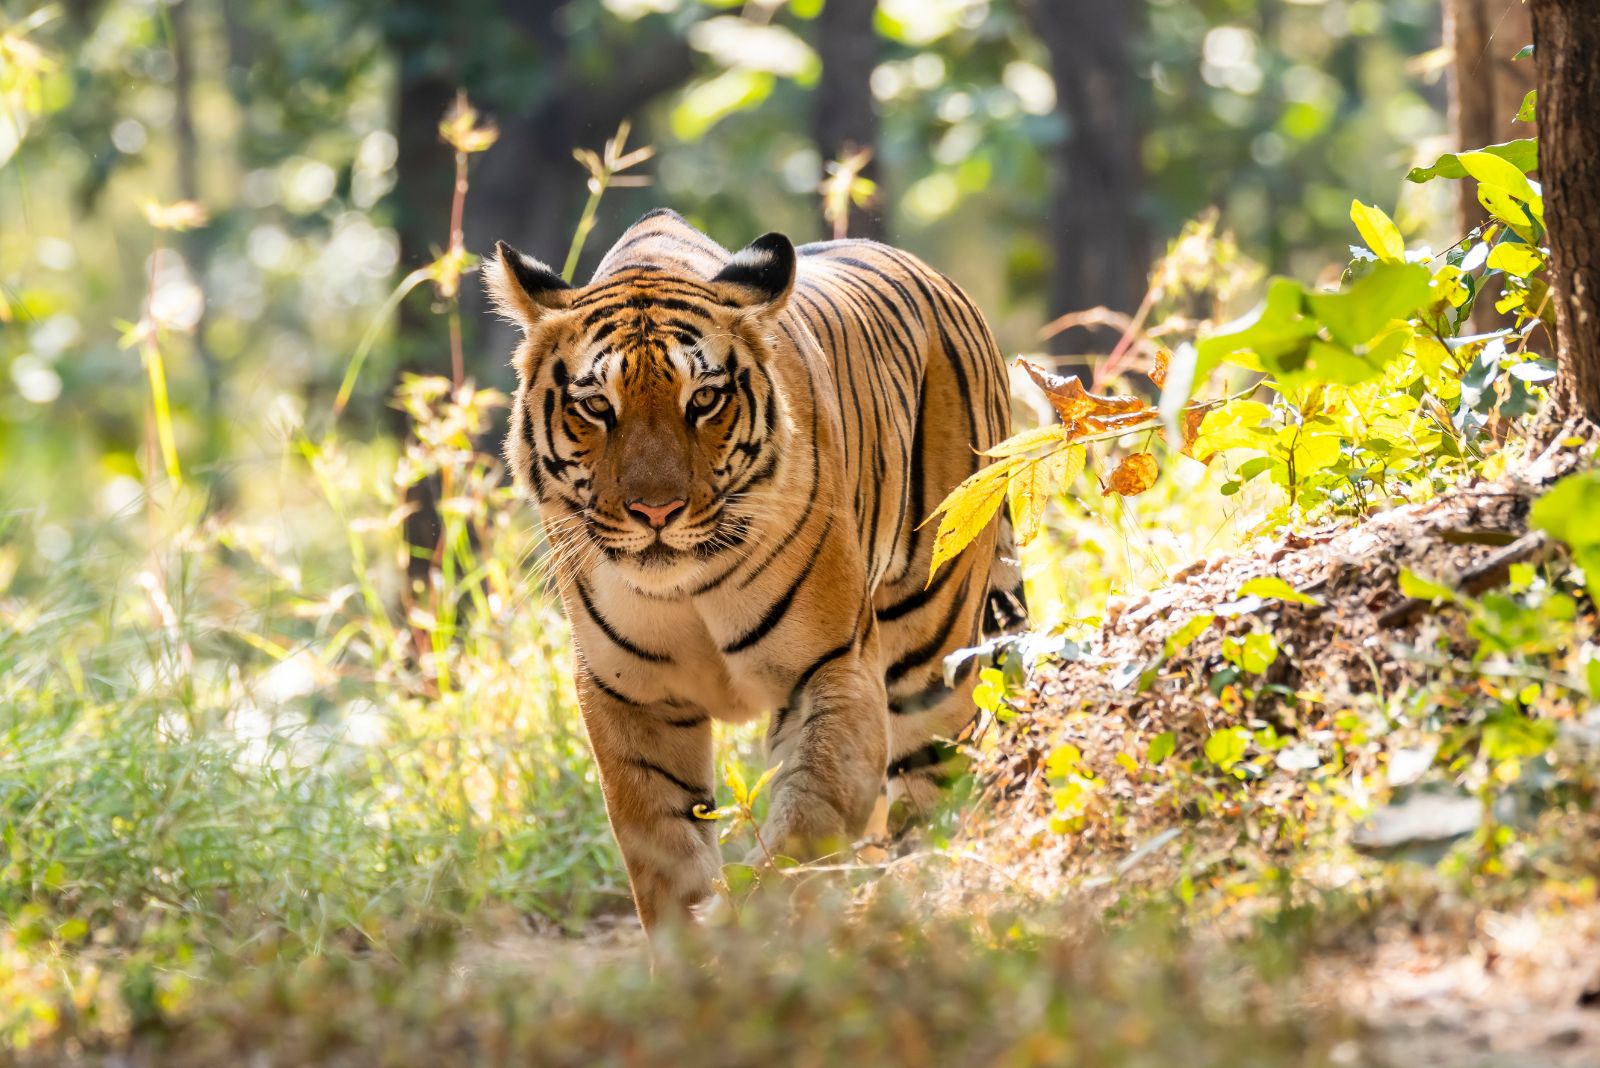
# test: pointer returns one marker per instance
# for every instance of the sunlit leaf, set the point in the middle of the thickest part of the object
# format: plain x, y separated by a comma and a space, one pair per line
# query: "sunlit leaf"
1235, 425
1276, 329
1074, 403
1135, 474
1028, 440
733, 775
1033, 482
1415, 586
1227, 747
178, 216
461, 130
967, 510
1497, 172
1388, 292
1378, 231
1528, 112
1519, 260
1523, 154
1271, 586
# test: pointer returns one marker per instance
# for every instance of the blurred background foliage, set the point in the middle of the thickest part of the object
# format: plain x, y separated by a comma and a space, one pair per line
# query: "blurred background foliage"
1041, 151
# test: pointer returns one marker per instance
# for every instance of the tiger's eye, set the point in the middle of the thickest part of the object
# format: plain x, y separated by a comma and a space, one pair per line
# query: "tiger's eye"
596, 405
704, 397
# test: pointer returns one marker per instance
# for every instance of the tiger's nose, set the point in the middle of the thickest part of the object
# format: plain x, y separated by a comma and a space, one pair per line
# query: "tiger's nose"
655, 514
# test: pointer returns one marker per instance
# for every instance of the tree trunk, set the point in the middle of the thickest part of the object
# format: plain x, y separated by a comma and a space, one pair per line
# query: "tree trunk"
845, 118
1566, 40
1487, 86
1100, 254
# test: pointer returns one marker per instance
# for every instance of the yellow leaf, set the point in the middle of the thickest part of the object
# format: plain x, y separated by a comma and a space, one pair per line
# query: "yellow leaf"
1033, 482
1134, 475
1028, 440
766, 777
460, 128
1378, 231
1234, 425
734, 777
1520, 260
967, 510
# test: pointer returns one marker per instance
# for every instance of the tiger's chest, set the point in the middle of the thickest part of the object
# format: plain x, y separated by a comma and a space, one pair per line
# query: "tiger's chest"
651, 650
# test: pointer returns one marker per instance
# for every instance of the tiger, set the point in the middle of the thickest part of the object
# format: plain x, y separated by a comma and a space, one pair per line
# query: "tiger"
732, 456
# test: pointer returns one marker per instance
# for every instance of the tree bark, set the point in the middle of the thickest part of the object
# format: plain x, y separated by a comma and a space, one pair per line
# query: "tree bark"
845, 117
1566, 43
1487, 86
1098, 239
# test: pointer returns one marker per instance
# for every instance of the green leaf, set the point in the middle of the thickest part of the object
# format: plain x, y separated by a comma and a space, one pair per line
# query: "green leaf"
1277, 328
708, 102
1567, 510
1389, 291
1225, 748
1161, 747
1525, 52
1378, 231
1528, 112
1274, 587
1523, 154
1192, 628
1254, 654
1414, 585
1512, 736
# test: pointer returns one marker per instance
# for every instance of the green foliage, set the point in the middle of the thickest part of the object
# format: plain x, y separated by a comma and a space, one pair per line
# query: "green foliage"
1567, 513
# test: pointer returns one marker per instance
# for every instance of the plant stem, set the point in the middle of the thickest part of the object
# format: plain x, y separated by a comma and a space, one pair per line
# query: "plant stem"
591, 209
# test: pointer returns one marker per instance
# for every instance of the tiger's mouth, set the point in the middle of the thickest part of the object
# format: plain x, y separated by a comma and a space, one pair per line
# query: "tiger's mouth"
672, 545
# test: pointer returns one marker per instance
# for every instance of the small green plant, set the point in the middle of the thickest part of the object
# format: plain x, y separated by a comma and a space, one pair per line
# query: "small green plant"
1372, 394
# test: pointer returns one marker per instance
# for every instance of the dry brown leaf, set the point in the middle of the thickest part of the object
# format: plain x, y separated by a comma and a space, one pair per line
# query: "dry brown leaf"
1192, 418
1158, 373
1077, 405
1134, 475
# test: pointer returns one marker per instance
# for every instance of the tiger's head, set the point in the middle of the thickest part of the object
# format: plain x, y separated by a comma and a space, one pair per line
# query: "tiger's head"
647, 421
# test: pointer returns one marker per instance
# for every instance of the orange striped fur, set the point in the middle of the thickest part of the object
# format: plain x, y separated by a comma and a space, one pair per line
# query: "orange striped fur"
731, 455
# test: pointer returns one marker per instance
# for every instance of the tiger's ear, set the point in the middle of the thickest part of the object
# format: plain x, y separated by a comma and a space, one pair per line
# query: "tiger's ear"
760, 276
522, 288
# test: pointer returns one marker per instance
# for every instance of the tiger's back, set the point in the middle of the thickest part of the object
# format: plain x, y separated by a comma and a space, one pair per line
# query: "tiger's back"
751, 442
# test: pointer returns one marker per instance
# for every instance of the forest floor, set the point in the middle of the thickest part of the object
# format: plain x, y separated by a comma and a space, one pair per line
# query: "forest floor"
1328, 798
1452, 917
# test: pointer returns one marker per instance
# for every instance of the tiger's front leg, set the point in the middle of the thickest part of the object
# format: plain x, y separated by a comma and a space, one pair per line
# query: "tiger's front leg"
833, 743
655, 768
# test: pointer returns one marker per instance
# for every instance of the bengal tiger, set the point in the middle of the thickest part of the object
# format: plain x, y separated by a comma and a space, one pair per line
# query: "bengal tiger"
732, 457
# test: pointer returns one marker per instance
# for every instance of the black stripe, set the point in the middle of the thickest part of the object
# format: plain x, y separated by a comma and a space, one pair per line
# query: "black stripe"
930, 755
930, 648
656, 769
611, 632
780, 607
594, 680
